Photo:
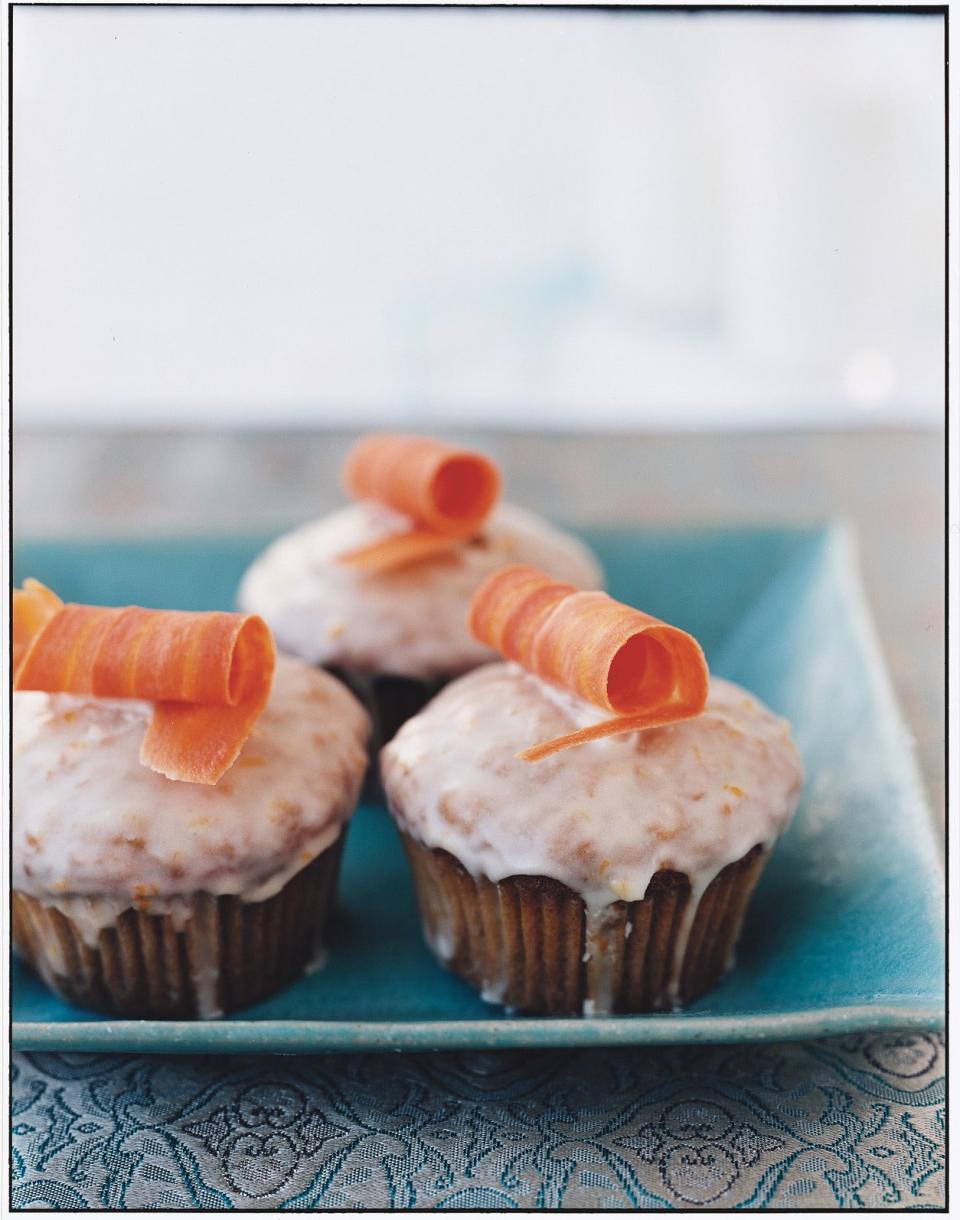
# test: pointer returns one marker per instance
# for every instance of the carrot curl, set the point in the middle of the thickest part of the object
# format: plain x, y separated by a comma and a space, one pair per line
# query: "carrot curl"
645, 671
208, 674
447, 492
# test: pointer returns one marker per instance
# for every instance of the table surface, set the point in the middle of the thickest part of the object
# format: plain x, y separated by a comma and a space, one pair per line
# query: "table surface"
854, 1122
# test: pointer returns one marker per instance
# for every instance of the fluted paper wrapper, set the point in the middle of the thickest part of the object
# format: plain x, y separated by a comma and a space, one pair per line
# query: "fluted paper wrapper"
529, 943
226, 954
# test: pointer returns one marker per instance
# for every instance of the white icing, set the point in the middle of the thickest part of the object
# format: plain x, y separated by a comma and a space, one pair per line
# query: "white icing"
318, 958
95, 832
205, 967
601, 983
602, 817
410, 622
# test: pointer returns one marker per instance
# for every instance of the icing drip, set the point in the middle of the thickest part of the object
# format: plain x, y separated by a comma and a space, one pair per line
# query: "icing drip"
318, 959
203, 936
54, 963
410, 622
441, 939
495, 987
600, 929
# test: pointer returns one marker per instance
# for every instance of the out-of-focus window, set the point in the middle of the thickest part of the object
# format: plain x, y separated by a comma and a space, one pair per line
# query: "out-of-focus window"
546, 218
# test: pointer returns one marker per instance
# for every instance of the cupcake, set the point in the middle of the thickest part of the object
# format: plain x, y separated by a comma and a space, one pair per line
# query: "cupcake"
140, 892
607, 866
378, 591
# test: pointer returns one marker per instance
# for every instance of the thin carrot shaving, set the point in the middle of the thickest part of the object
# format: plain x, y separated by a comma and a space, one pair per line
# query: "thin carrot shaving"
594, 732
399, 551
645, 671
448, 493
208, 674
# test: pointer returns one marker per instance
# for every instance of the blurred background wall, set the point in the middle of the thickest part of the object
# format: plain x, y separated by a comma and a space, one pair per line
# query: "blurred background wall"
533, 219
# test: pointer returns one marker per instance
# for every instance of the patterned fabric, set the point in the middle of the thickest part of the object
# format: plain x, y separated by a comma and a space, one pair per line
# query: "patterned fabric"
856, 1122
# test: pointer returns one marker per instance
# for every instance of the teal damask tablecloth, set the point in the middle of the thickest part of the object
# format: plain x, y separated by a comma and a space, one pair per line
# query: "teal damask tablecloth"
850, 1122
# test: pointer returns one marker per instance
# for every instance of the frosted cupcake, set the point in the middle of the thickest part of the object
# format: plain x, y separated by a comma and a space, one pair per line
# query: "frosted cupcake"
378, 592
179, 806
608, 866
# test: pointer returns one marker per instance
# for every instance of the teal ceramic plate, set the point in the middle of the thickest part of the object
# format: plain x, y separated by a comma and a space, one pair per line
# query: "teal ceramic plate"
845, 931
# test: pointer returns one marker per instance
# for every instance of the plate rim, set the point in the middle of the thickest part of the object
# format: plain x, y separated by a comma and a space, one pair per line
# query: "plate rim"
298, 1036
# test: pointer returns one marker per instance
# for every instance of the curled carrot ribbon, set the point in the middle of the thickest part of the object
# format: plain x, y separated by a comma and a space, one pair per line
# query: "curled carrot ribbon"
615, 657
447, 492
208, 674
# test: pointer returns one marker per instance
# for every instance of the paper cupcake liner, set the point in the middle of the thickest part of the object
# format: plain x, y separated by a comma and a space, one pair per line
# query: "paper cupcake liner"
530, 944
225, 954
391, 700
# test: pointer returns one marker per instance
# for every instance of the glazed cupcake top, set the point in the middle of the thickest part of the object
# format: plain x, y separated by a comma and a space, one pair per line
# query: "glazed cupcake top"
410, 621
90, 819
602, 817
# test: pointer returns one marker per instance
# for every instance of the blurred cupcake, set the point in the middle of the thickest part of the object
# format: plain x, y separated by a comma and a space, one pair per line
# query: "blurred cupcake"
378, 592
137, 890
607, 867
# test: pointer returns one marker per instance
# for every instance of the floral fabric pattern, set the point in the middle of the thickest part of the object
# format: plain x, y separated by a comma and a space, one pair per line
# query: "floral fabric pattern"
854, 1122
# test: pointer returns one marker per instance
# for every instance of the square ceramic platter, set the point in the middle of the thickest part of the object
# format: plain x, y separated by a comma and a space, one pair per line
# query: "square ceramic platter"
845, 931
